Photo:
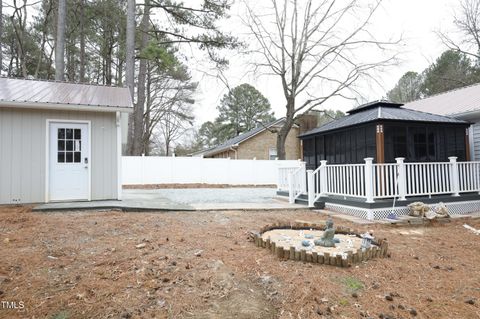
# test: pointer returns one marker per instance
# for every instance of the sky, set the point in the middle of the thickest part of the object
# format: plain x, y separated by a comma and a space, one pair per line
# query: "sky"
415, 20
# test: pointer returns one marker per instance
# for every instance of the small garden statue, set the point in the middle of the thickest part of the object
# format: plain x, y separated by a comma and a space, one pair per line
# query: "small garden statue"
367, 239
327, 238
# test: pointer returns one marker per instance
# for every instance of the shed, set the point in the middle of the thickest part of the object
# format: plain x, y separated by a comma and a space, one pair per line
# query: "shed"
384, 131
60, 141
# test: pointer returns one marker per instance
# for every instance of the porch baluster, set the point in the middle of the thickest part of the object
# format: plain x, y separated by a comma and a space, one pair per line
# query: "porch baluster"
454, 181
402, 178
369, 179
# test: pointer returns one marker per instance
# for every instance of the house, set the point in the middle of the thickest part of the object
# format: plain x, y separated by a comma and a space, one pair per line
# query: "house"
384, 131
60, 141
463, 104
259, 143
382, 157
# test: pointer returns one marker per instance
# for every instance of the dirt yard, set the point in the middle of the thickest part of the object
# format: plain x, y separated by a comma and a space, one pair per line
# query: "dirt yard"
202, 265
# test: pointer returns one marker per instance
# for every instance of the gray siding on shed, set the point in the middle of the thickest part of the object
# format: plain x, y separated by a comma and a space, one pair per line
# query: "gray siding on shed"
23, 147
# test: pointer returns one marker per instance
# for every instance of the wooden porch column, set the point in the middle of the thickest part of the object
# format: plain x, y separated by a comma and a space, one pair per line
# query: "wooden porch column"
380, 143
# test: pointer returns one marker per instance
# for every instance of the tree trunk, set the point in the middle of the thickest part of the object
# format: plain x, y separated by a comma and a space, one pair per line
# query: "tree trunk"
148, 104
130, 67
285, 129
70, 62
108, 64
60, 41
142, 75
82, 41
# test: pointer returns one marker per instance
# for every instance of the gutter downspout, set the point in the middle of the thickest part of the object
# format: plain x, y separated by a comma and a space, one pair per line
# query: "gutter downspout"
235, 150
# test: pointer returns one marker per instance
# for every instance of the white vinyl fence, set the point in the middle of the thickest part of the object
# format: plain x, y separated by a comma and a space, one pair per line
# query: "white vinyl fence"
144, 170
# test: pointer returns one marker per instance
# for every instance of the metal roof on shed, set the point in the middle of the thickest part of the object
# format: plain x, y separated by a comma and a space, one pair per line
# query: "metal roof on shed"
52, 93
383, 113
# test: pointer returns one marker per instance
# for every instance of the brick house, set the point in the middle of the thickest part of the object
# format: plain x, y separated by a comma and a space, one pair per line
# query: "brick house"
259, 143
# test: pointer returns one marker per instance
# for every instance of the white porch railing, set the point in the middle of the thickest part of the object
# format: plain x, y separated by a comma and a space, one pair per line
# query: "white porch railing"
293, 180
284, 172
382, 181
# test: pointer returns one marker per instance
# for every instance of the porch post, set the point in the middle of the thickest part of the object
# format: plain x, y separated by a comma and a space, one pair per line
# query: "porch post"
291, 196
311, 188
323, 178
380, 143
401, 179
454, 176
369, 179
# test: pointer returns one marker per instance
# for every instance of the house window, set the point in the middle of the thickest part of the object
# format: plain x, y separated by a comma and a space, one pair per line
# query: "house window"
272, 153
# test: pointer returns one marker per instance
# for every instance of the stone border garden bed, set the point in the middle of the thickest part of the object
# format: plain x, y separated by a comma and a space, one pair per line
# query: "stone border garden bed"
379, 247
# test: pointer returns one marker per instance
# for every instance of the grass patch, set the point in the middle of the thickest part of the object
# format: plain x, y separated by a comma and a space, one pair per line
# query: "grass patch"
352, 284
343, 302
61, 315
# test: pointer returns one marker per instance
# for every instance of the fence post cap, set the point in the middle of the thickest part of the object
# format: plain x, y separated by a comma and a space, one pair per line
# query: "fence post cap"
368, 159
453, 158
399, 159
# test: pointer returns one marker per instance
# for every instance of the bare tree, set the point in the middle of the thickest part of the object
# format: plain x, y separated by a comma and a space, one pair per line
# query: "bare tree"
175, 123
19, 23
60, 41
168, 99
312, 48
467, 24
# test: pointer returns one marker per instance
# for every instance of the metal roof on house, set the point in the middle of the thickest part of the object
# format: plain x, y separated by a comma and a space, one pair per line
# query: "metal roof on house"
52, 94
458, 101
240, 138
383, 113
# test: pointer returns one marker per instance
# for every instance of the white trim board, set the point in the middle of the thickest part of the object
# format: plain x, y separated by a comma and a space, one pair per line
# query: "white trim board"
66, 107
47, 154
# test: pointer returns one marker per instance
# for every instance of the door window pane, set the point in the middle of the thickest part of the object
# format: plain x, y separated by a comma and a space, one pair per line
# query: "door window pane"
69, 145
69, 133
61, 157
69, 157
77, 157
77, 134
61, 133
61, 145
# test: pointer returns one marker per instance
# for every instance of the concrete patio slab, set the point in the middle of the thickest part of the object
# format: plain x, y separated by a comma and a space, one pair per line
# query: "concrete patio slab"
124, 205
180, 200
246, 206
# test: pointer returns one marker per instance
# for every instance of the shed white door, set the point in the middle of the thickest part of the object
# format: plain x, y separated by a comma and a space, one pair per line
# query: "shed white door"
69, 161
